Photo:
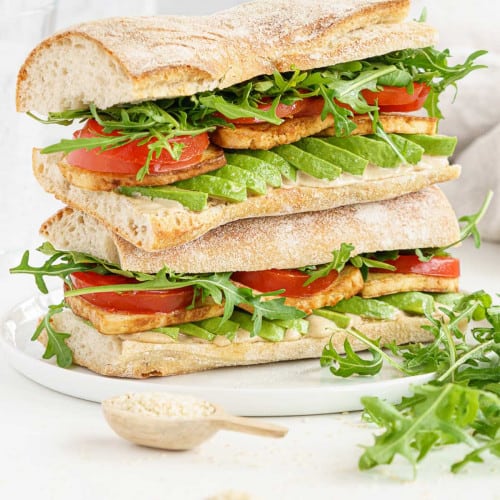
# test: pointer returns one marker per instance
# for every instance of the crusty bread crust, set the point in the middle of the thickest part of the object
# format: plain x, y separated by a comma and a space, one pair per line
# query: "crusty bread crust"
123, 356
267, 135
422, 219
154, 225
212, 159
122, 60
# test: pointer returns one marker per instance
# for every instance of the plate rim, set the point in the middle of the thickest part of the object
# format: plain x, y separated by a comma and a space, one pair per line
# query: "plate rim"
27, 364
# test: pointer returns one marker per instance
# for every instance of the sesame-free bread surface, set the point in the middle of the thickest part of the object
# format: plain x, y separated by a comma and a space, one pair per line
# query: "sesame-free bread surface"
131, 356
120, 60
159, 224
418, 220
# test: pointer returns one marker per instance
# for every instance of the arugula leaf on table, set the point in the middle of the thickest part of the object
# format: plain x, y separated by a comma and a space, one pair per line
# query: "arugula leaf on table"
435, 415
461, 405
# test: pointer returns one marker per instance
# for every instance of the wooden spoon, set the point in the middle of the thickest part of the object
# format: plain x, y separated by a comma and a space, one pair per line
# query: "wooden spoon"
175, 422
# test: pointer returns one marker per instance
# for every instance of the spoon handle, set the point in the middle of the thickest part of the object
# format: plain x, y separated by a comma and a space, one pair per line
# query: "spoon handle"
251, 426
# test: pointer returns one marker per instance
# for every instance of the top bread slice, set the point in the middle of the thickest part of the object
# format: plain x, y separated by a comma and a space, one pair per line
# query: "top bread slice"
122, 60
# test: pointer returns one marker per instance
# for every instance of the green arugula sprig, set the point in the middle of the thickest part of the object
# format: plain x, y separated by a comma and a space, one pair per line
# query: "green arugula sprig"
149, 123
430, 66
434, 416
56, 345
155, 123
341, 257
469, 228
216, 285
462, 404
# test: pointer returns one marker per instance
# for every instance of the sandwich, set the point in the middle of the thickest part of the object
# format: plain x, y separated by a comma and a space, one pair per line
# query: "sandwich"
182, 128
253, 291
242, 187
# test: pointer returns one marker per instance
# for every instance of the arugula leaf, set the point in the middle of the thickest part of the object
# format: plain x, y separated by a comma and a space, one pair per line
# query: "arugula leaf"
216, 285
462, 404
155, 123
434, 416
352, 364
340, 259
56, 345
468, 229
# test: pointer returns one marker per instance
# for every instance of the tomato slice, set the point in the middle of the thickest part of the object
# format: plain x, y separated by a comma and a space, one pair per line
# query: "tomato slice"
394, 99
443, 267
140, 302
282, 111
130, 158
291, 280
313, 106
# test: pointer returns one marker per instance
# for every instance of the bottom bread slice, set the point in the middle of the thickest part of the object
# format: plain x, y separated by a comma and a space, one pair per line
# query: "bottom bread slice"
125, 356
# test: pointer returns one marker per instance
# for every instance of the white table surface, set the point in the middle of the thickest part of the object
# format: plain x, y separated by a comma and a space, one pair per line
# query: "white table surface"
54, 446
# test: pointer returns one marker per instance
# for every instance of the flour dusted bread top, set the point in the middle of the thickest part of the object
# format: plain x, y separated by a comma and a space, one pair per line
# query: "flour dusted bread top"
122, 60
417, 220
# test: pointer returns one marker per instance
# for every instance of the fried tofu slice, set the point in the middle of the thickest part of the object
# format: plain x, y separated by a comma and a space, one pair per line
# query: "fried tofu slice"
212, 159
348, 284
379, 284
116, 323
267, 135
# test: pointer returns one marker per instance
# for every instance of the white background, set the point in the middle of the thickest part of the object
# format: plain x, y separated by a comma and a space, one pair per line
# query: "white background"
56, 447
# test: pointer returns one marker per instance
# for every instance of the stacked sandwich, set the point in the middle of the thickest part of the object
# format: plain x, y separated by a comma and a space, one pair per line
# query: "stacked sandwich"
242, 187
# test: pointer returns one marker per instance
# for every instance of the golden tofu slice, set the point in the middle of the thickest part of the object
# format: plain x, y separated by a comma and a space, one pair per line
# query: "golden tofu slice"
348, 284
211, 159
117, 323
267, 135
379, 284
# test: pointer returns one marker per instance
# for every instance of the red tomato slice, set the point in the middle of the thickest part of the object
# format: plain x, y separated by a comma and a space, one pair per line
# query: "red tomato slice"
130, 158
313, 106
396, 99
291, 280
282, 111
444, 267
140, 302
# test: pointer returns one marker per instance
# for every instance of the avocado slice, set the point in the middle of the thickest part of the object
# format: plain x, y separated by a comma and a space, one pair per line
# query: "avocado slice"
269, 172
409, 149
217, 326
301, 325
269, 330
376, 152
434, 145
368, 308
253, 182
280, 163
192, 200
196, 331
341, 320
412, 302
347, 161
215, 187
449, 299
308, 163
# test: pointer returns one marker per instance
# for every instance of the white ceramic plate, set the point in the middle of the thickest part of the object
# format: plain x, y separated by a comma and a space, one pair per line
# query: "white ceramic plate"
287, 388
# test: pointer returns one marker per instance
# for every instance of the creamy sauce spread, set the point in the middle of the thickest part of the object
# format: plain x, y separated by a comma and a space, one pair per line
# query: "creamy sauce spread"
371, 173
319, 327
